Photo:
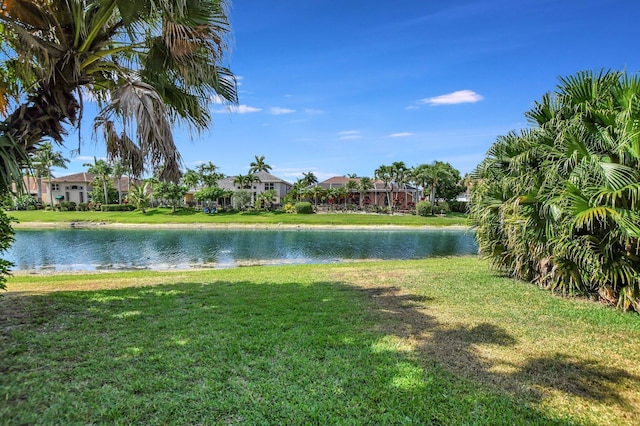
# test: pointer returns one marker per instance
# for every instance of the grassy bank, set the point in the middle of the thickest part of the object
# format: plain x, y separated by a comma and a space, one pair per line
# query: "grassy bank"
438, 341
165, 216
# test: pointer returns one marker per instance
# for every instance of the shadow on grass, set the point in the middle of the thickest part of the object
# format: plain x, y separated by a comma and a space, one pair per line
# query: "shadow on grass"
454, 349
241, 352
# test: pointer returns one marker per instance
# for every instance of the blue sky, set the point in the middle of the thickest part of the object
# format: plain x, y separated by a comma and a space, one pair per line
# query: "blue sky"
343, 86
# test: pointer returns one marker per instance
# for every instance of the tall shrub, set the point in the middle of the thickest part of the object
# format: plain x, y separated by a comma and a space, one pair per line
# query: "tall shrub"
6, 239
304, 208
558, 204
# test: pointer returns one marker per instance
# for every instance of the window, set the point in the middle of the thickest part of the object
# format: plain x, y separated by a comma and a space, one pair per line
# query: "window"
269, 185
66, 187
55, 187
74, 187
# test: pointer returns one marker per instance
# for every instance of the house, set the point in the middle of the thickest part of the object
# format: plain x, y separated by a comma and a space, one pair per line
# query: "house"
379, 195
30, 186
77, 187
266, 182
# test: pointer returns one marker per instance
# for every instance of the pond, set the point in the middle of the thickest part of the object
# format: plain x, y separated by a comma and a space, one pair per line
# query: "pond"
58, 250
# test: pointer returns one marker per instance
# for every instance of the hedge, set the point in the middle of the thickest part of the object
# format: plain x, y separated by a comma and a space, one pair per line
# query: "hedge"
117, 208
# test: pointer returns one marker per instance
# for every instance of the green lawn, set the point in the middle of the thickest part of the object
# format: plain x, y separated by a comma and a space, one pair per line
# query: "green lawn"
165, 216
437, 341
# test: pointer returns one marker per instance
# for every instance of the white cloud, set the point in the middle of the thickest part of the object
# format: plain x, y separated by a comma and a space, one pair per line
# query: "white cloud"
280, 111
459, 97
245, 109
239, 79
86, 159
400, 135
349, 134
239, 109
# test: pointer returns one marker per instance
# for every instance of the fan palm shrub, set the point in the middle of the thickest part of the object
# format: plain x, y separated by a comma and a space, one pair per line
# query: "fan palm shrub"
558, 204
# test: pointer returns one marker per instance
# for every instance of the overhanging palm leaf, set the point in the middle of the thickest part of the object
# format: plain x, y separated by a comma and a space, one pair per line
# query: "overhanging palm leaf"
174, 48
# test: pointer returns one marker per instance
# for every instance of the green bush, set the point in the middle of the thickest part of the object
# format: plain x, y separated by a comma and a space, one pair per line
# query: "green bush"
6, 239
304, 208
67, 206
459, 206
289, 208
117, 208
442, 207
82, 207
424, 208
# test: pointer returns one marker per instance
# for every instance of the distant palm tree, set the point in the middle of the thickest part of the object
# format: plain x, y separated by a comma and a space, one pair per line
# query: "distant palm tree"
351, 186
117, 171
140, 196
433, 174
47, 158
309, 179
332, 195
398, 173
385, 174
191, 178
209, 174
341, 193
246, 182
259, 165
365, 185
102, 170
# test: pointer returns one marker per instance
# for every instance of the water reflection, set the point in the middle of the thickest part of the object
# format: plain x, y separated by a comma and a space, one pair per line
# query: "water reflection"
114, 249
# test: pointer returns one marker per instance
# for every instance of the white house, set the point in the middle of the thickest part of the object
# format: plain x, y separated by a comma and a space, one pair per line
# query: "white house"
266, 182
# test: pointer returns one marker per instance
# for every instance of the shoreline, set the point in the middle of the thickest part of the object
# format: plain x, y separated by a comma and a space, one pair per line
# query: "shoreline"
112, 225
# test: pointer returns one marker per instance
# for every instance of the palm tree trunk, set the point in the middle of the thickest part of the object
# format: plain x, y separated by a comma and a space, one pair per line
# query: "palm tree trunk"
106, 193
433, 197
40, 187
49, 184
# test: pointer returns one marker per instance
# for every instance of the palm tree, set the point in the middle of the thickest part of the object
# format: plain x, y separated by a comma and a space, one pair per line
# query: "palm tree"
398, 171
331, 194
117, 171
351, 186
147, 63
317, 192
102, 170
385, 174
432, 174
246, 182
209, 174
341, 193
309, 179
191, 178
259, 165
46, 158
365, 186
557, 204
140, 196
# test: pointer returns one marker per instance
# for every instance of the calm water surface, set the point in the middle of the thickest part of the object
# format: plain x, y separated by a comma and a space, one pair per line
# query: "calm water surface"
112, 249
